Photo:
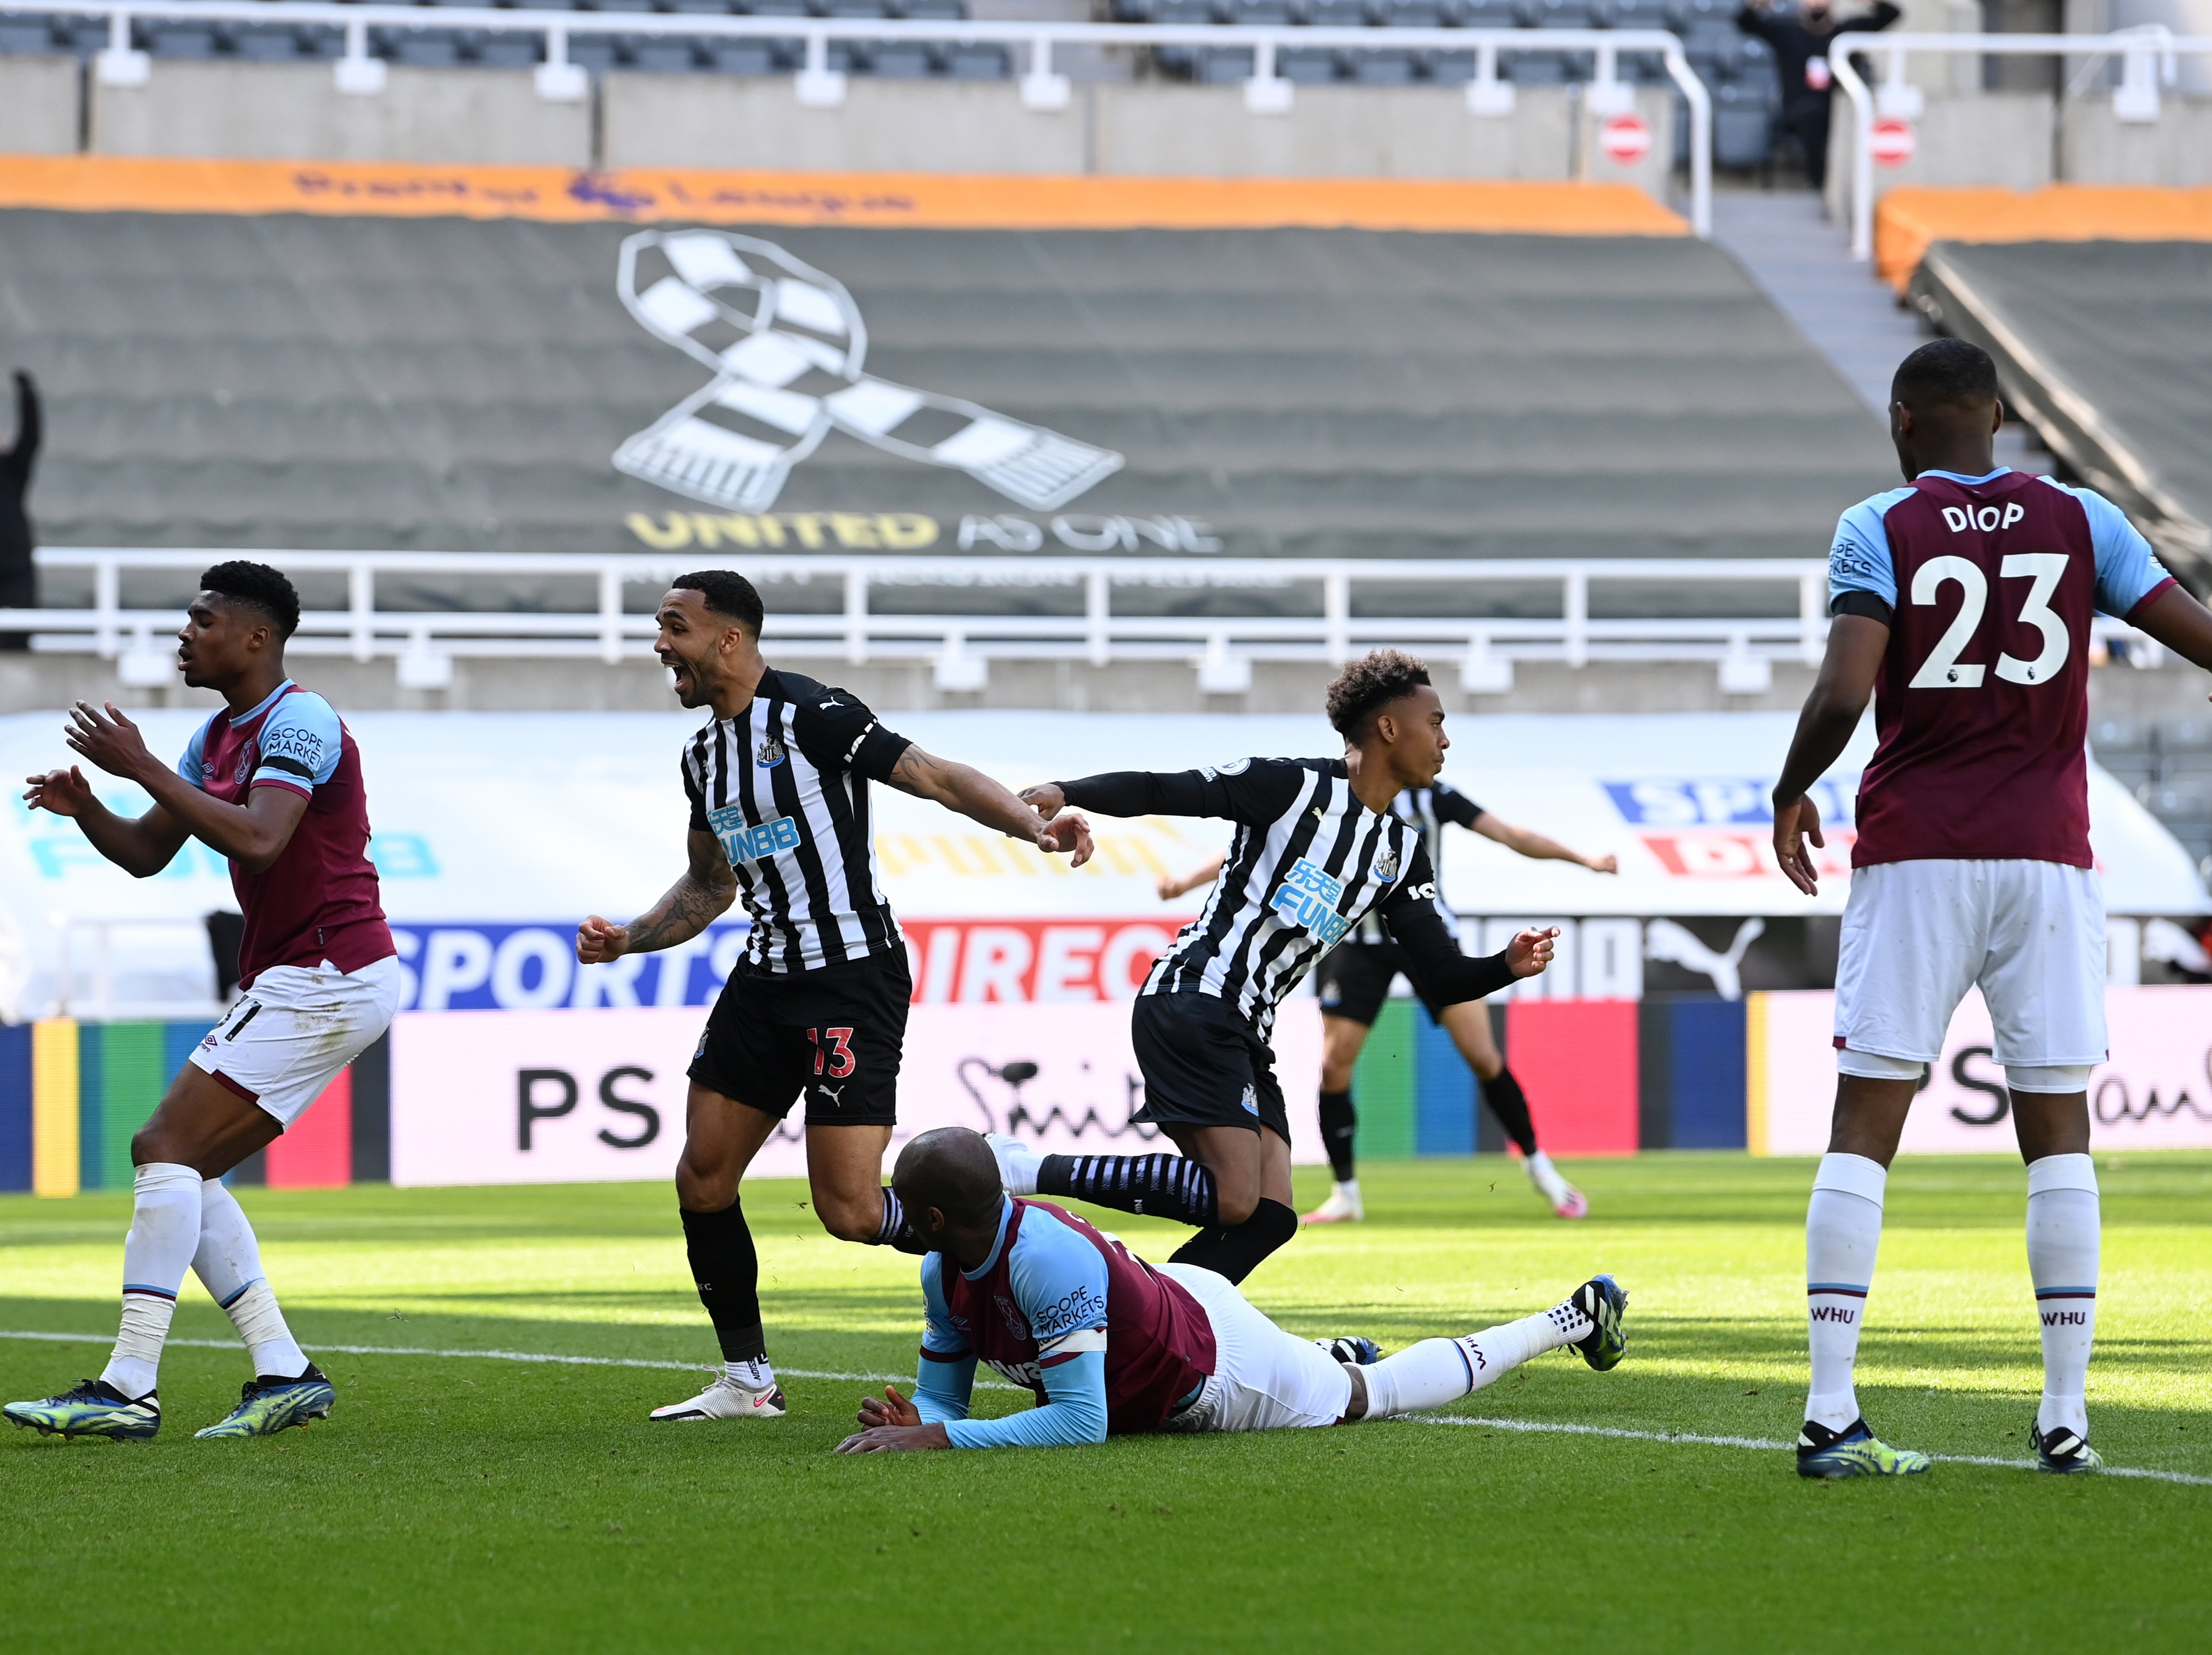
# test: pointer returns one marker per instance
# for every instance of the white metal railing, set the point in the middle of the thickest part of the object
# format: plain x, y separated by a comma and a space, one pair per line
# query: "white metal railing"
2148, 56
1040, 86
423, 644
99, 1005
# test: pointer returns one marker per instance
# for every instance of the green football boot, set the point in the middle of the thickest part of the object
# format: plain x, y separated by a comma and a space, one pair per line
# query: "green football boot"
1855, 1451
1605, 1301
94, 1408
267, 1405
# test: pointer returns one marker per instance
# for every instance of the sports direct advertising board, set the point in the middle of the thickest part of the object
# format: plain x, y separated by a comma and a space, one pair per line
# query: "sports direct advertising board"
2153, 1093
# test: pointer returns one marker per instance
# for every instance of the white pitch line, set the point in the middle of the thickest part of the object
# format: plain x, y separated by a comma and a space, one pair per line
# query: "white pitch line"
499, 1356
1761, 1444
1765, 1445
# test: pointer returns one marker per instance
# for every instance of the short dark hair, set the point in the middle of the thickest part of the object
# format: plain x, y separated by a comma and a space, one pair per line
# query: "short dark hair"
1370, 685
953, 1170
1945, 371
725, 593
260, 587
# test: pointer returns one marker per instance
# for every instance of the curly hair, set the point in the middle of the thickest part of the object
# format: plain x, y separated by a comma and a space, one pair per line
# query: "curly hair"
259, 587
1368, 685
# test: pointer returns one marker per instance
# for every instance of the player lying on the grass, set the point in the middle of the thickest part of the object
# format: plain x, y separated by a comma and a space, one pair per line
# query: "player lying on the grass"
273, 783
1317, 849
1963, 605
1111, 1345
778, 783
1355, 979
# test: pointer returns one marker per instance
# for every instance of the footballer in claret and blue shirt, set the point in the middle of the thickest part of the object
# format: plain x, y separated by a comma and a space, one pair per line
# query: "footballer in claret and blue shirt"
1110, 1345
1962, 605
272, 782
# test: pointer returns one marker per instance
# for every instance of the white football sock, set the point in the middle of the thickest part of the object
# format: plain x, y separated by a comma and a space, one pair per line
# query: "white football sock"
754, 1375
229, 1264
165, 1227
2063, 1225
1545, 1176
1843, 1230
1439, 1371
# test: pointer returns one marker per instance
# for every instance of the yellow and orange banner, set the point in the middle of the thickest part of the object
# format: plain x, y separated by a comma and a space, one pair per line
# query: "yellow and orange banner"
922, 200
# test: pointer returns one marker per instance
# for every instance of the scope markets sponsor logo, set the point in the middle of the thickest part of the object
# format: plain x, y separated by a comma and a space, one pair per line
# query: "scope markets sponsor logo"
451, 968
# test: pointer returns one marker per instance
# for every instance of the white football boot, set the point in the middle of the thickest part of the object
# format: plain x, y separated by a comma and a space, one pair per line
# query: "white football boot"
1342, 1207
726, 1399
1018, 1162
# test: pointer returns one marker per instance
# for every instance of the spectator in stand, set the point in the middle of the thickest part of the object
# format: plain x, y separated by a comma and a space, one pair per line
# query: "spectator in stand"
19, 587
1801, 58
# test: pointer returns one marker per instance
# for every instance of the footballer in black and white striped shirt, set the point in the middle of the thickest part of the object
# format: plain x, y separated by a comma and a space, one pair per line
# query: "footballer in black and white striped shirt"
778, 783
1318, 848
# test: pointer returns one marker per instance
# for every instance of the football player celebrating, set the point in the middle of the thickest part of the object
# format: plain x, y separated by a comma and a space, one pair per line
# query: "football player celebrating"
1318, 848
273, 783
778, 782
1110, 1345
1962, 604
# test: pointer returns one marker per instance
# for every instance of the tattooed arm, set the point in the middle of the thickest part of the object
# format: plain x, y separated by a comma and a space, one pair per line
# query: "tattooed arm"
693, 903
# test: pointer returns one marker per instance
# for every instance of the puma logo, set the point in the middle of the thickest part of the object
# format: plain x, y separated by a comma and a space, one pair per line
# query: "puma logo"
832, 701
833, 1093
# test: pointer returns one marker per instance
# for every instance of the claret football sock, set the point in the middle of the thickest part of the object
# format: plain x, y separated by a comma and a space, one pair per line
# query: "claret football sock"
1843, 1231
165, 1229
1436, 1372
229, 1264
2063, 1225
726, 1270
1339, 1125
1163, 1186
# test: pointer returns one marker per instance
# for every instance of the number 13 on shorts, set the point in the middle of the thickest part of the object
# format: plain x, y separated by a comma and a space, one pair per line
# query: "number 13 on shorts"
835, 1060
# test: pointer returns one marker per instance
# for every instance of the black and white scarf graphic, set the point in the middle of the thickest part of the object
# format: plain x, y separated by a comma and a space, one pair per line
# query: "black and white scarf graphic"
787, 344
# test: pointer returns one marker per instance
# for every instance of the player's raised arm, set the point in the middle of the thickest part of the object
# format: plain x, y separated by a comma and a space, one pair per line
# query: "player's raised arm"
1856, 643
966, 790
140, 845
1537, 847
1204, 873
252, 835
700, 895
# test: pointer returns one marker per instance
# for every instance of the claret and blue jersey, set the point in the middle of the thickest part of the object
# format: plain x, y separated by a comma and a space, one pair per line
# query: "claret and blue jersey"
1107, 1344
1988, 585
320, 900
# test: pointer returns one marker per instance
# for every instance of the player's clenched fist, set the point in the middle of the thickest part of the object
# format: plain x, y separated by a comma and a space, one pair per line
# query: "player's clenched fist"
599, 940
1529, 953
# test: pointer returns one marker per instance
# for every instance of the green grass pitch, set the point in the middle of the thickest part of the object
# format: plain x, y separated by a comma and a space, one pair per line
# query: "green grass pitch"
480, 1503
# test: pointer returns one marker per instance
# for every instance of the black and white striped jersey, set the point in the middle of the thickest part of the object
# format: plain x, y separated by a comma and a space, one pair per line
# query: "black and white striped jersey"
1308, 864
784, 786
1428, 809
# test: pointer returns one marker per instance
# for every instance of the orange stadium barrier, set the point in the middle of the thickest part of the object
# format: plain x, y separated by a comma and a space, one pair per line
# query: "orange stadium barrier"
928, 200
1907, 219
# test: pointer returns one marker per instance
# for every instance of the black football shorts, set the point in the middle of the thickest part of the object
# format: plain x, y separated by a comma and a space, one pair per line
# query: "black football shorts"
833, 1033
1353, 981
1202, 1066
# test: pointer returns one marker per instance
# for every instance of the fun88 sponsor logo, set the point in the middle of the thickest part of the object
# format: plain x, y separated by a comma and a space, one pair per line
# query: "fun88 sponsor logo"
743, 843
486, 967
1308, 899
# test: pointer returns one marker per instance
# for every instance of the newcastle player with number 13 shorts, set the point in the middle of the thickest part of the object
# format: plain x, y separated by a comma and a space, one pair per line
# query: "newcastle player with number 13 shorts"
1963, 604
817, 1007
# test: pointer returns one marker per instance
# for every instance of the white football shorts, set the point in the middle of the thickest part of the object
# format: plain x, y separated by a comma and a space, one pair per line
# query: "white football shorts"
290, 1033
1263, 1378
1917, 936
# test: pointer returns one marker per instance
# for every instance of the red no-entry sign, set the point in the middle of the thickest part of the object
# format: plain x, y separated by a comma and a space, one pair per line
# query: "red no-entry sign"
1893, 141
1626, 139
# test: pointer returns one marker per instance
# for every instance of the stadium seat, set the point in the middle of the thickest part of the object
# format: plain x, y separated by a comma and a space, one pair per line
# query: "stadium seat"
420, 48
1259, 12
1534, 68
168, 39
1224, 66
971, 61
20, 35
1452, 68
1743, 129
862, 11
1338, 14
1489, 14
935, 11
747, 56
265, 43
1185, 11
660, 54
506, 50
1383, 67
905, 60
1414, 13
1307, 65
1559, 14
